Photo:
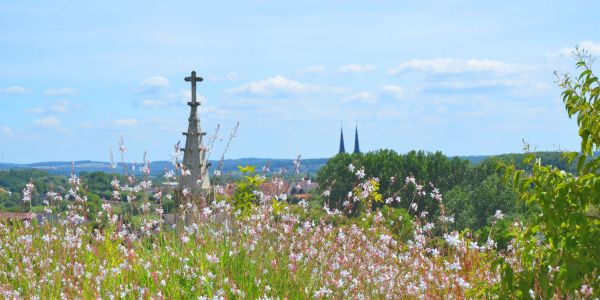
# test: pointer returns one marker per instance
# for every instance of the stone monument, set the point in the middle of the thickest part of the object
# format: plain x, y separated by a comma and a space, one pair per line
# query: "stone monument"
194, 176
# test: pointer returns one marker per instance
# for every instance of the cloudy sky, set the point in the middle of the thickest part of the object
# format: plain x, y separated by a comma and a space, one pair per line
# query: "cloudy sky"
462, 77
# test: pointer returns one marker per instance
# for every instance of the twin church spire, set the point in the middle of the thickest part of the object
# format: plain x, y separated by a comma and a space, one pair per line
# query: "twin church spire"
356, 145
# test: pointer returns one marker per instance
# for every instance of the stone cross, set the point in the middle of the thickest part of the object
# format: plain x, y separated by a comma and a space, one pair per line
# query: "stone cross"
193, 79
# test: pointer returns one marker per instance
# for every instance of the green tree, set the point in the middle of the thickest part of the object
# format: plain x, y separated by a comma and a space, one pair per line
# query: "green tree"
491, 195
558, 253
459, 204
336, 178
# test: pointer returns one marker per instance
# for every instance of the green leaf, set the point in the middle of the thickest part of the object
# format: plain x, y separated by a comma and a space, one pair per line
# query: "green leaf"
580, 163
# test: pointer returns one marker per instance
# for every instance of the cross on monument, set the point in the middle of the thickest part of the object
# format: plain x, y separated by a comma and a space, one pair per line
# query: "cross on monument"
195, 179
193, 79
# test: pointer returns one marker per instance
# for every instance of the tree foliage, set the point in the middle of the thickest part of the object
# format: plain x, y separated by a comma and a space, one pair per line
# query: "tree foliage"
472, 193
557, 253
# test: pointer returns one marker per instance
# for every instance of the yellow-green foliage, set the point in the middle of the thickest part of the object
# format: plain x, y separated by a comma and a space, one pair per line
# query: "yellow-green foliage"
245, 197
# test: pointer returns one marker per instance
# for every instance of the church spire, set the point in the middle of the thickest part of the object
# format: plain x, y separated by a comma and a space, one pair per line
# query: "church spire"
356, 146
342, 148
195, 176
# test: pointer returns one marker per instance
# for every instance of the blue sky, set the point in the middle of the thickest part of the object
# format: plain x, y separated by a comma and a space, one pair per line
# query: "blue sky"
463, 77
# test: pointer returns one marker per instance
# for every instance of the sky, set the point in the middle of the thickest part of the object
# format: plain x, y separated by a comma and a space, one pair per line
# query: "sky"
461, 77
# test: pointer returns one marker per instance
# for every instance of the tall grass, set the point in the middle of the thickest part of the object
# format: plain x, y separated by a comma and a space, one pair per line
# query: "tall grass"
274, 251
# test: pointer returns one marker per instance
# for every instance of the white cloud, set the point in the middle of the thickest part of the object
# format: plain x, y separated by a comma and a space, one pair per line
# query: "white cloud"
6, 130
60, 92
36, 110
14, 90
316, 69
356, 69
153, 103
398, 92
48, 122
275, 85
126, 122
231, 76
361, 97
153, 84
517, 87
456, 66
589, 46
172, 99
59, 108
339, 90
62, 107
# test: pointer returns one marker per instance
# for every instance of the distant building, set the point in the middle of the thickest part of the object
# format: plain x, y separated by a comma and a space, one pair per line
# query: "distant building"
342, 148
301, 191
356, 143
356, 147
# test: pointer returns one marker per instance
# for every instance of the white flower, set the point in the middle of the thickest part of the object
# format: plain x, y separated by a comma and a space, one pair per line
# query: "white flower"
385, 239
434, 252
455, 266
185, 239
447, 219
462, 283
586, 290
207, 211
498, 215
130, 198
322, 292
360, 173
303, 203
212, 258
351, 167
414, 206
27, 191
452, 239
428, 226
326, 193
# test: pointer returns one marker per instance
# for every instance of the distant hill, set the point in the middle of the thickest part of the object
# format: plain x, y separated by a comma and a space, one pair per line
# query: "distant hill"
310, 166
157, 168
